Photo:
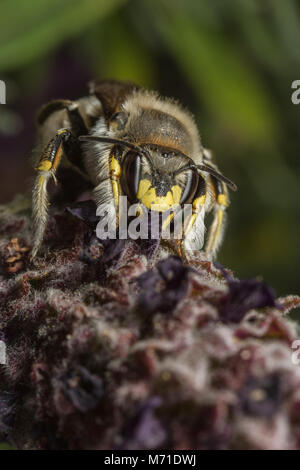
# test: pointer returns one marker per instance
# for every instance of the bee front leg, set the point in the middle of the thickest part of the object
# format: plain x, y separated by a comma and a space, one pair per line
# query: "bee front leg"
46, 169
193, 230
114, 176
217, 228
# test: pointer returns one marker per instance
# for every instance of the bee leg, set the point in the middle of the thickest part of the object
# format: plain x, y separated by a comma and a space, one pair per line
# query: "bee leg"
76, 120
49, 108
110, 184
46, 168
216, 231
193, 231
182, 252
175, 244
77, 125
114, 175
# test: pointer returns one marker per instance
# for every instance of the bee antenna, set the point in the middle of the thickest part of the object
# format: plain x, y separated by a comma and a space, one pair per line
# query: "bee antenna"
109, 140
216, 174
94, 138
211, 171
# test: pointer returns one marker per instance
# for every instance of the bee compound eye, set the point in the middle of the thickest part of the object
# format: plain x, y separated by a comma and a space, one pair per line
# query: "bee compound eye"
190, 187
131, 173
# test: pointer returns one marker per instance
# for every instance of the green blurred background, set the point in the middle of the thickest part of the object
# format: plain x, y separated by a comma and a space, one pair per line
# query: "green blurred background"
230, 62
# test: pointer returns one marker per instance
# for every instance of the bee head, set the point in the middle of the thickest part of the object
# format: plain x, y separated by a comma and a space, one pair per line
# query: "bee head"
160, 178
151, 179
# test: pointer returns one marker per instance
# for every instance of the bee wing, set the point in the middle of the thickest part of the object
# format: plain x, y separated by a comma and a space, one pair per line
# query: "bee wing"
111, 94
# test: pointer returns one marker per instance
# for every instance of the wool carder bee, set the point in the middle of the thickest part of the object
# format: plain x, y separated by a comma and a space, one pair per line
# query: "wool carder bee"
131, 142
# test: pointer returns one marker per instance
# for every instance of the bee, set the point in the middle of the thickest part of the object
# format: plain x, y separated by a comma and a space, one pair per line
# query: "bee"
128, 141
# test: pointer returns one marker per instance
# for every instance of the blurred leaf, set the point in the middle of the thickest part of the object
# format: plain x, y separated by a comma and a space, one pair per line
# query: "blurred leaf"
286, 17
219, 74
30, 29
117, 52
261, 38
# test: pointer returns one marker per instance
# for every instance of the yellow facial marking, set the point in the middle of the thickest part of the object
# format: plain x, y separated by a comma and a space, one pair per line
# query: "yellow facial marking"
157, 203
176, 191
147, 195
115, 167
222, 200
144, 185
44, 165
